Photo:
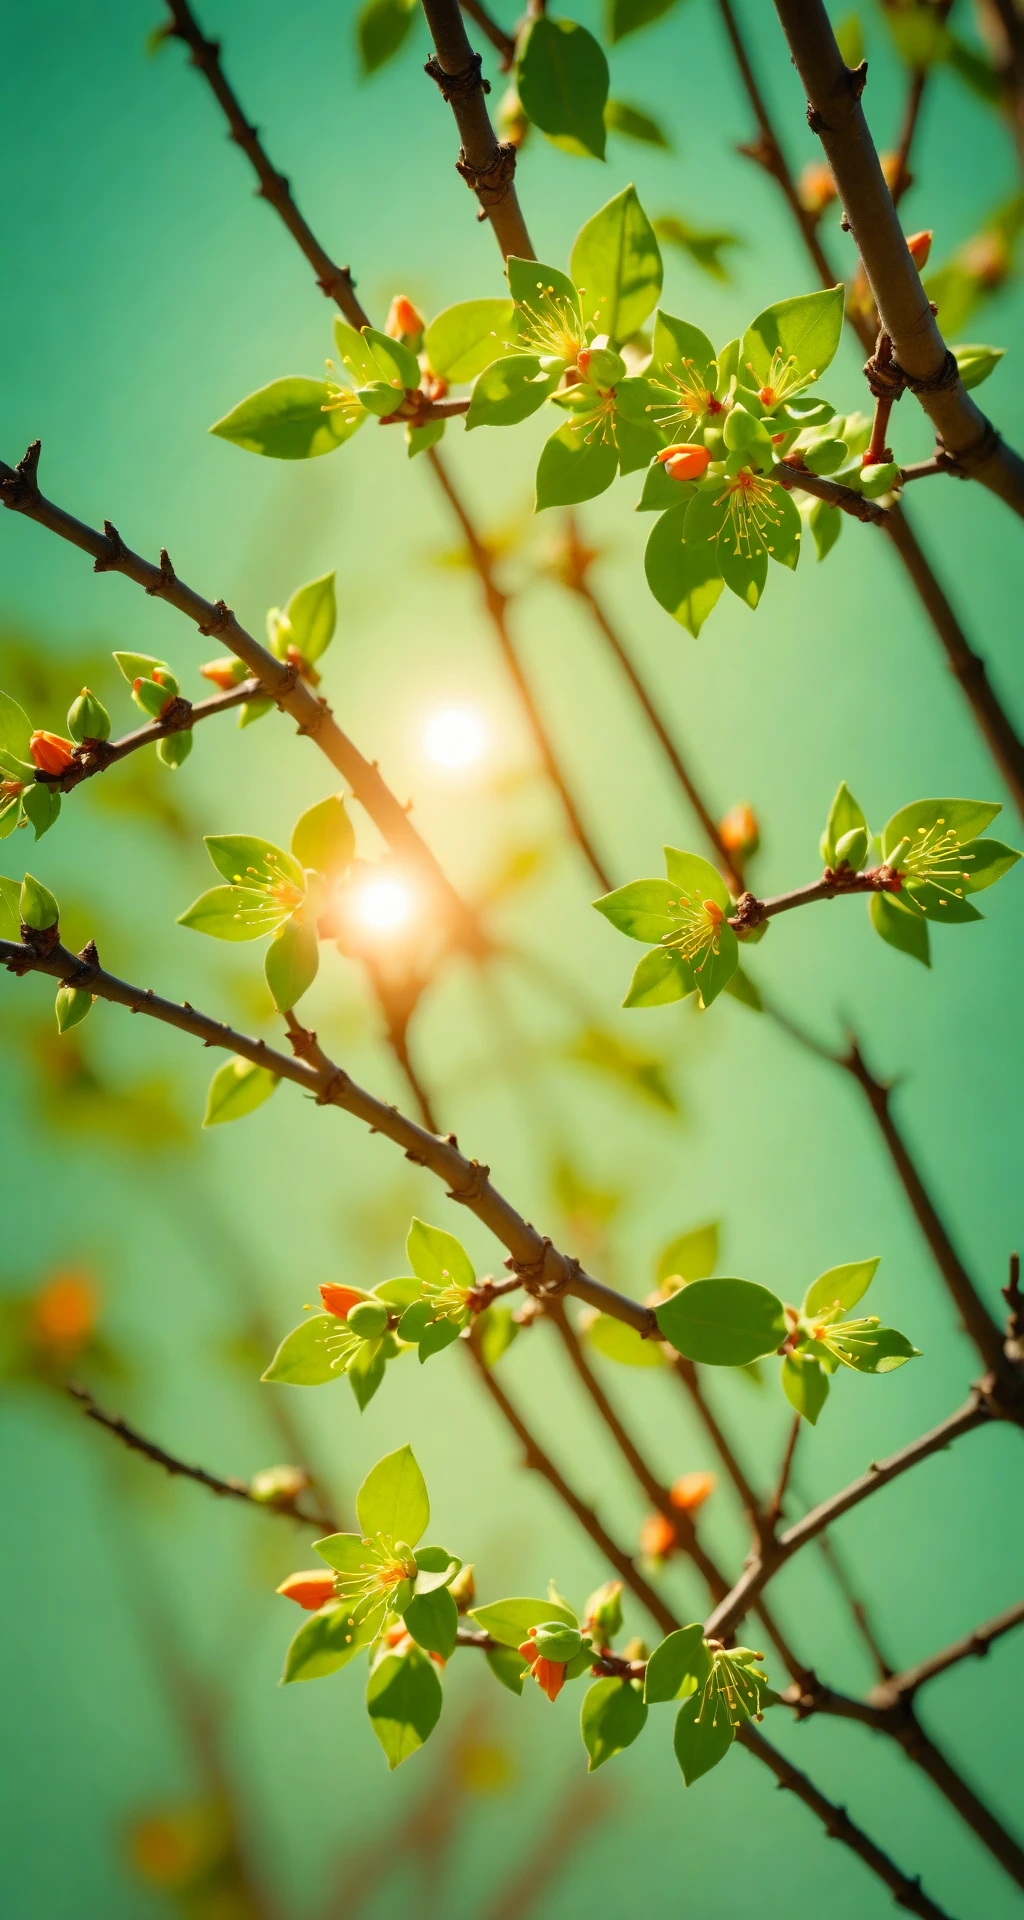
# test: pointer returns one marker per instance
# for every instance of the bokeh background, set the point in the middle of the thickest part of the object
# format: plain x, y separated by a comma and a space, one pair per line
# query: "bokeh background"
146, 290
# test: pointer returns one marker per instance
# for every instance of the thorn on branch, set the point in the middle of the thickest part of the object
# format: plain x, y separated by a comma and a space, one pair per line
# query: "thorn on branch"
22, 487
110, 564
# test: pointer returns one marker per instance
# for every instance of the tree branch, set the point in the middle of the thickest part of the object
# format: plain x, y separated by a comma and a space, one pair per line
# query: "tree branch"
504, 43
102, 754
487, 165
790, 475
750, 911
136, 1442
972, 1646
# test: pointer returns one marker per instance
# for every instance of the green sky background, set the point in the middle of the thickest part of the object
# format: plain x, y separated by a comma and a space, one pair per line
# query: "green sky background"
146, 290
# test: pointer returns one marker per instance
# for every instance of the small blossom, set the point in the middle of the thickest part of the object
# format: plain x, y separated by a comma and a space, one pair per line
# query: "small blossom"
657, 1536
685, 462
398, 1639
339, 1300
51, 752
278, 1486
403, 318
739, 829
549, 1674
310, 1590
919, 246
691, 1490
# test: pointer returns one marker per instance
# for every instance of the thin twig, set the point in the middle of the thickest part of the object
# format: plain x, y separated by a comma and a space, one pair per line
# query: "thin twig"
971, 1646
101, 754
775, 1505
503, 42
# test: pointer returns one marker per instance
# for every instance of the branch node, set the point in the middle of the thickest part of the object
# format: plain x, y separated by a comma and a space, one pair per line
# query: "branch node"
222, 621
21, 488
457, 86
336, 1085
167, 579
316, 719
473, 1191
111, 563
490, 183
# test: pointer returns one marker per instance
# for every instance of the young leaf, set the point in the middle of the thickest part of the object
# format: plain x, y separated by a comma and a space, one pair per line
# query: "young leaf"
248, 861
626, 16
544, 294
689, 873
933, 820
403, 1700
618, 1342
686, 580
619, 117
418, 439
323, 837
660, 491
703, 1735
381, 27
843, 816
437, 1257
703, 245
291, 964
286, 421
507, 1666
496, 1331
312, 614
906, 931
41, 805
805, 1385
234, 913
326, 1641
615, 260
791, 343
573, 467
510, 1620
613, 1715
724, 1323
826, 524
879, 1350
641, 909
990, 859
15, 732
393, 1498
237, 1088
562, 81
366, 1371
659, 978
840, 1286
317, 1351
466, 338
680, 1659
433, 1620
509, 391
437, 1335
72, 1005
396, 362
690, 1256
10, 908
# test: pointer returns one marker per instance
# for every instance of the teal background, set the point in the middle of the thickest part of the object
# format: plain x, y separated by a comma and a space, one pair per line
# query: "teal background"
146, 290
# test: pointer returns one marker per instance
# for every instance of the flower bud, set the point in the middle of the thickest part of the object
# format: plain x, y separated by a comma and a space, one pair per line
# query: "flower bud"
88, 718
405, 1554
554, 1641
39, 909
339, 1300
51, 752
825, 456
685, 462
690, 1491
739, 830
852, 848
310, 1590
550, 1677
71, 1006
175, 747
369, 1319
225, 673
898, 854
64, 1312
714, 440
278, 1486
919, 246
155, 696
602, 366
603, 1611
816, 187
512, 123
463, 1588
976, 363
404, 323
657, 1536
553, 364
380, 398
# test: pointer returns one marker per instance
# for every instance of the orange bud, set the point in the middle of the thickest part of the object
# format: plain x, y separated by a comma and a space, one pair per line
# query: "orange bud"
919, 246
51, 752
684, 462
583, 362
225, 673
8, 788
528, 1650
339, 1300
311, 1590
739, 830
64, 1311
550, 1677
657, 1536
402, 318
816, 187
691, 1490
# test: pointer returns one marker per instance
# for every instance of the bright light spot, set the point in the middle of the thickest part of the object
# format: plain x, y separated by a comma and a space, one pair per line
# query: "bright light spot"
455, 737
383, 905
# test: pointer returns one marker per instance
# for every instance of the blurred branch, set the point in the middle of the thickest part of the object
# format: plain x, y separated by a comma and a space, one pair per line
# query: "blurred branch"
972, 1646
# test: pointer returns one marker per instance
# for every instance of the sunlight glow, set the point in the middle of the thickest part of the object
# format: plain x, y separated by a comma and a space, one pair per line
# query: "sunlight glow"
383, 905
455, 737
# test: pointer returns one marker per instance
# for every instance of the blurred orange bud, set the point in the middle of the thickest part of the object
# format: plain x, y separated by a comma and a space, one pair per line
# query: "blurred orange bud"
309, 1590
691, 1490
739, 830
919, 246
51, 752
988, 258
64, 1311
8, 788
302, 666
684, 462
338, 1300
890, 165
403, 318
816, 187
225, 673
657, 1536
278, 1486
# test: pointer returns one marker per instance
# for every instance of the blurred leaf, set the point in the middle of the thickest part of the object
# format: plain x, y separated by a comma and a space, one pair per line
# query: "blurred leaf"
381, 27
703, 245
627, 16
689, 1256
619, 117
642, 1073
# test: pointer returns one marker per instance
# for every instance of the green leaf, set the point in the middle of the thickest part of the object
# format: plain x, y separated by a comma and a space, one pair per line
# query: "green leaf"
393, 1498
413, 1323
291, 963
990, 859
10, 814
38, 906
689, 1256
237, 1088
637, 446
438, 1258
850, 39
685, 580
436, 1336
234, 913
843, 816
702, 1737
905, 931
15, 730
642, 1074
613, 1715
826, 524
507, 1667
976, 363
965, 818
433, 1620
805, 1385
840, 1286
72, 1005
682, 1660
689, 873
317, 1351
403, 1700
616, 1341
616, 264
744, 564
619, 117
357, 357
496, 1330
323, 837
661, 492
41, 804
312, 613
286, 421
659, 978
396, 362
248, 861
791, 343
574, 468
785, 536
879, 1350
510, 1620
626, 16
381, 27
684, 351
541, 293
724, 1323
399, 1293
742, 988
562, 81
703, 245
10, 908
509, 391
641, 909
366, 1371
466, 338
419, 439
345, 1552
329, 1639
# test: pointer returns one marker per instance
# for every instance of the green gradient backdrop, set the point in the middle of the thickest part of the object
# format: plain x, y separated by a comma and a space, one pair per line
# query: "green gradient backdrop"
145, 291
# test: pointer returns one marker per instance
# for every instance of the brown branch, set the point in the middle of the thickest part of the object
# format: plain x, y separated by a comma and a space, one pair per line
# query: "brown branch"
750, 911
763, 1566
775, 1505
504, 43
136, 1442
20, 492
486, 165
858, 1611
835, 114
686, 1372
972, 1646
790, 474
101, 754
